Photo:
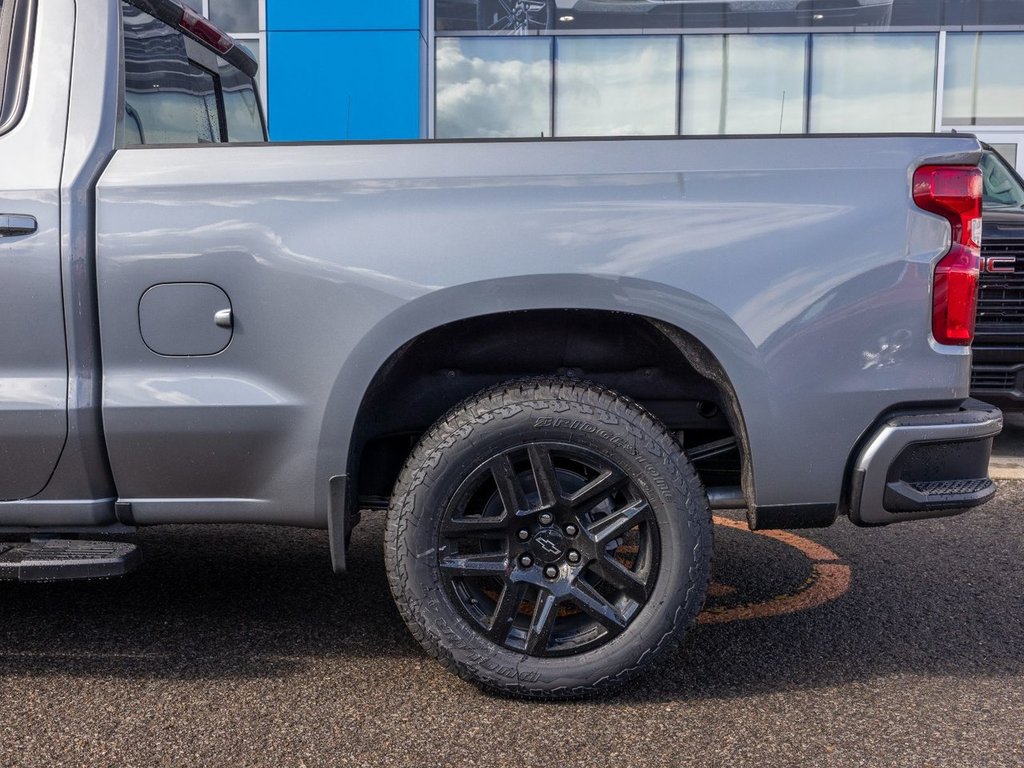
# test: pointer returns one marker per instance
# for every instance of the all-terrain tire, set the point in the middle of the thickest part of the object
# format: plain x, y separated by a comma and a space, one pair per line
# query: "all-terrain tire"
551, 412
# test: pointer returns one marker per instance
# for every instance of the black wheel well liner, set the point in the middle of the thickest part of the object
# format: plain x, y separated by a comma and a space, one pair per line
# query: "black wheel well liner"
661, 366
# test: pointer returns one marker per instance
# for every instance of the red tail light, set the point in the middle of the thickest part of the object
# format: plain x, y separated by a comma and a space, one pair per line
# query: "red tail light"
201, 29
954, 192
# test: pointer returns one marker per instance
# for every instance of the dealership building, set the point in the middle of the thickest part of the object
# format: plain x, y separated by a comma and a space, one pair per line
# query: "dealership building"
408, 69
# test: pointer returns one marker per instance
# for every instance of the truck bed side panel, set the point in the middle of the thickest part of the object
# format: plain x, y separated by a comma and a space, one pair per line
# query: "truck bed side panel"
802, 264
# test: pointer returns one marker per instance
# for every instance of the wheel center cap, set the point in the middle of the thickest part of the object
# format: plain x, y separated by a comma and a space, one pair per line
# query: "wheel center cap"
549, 545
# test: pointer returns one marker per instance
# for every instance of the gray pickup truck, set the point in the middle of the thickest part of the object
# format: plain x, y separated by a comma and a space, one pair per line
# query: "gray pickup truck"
547, 360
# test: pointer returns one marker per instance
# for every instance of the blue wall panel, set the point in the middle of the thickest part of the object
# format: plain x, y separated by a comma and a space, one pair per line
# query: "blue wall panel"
343, 14
343, 85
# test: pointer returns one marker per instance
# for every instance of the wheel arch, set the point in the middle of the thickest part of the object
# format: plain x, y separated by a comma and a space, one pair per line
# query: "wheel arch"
701, 337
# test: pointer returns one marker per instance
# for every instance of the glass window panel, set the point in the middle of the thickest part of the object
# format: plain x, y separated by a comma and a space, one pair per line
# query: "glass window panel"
241, 106
168, 98
517, 16
992, 11
955, 13
1002, 187
236, 15
616, 86
493, 87
908, 13
873, 83
703, 102
170, 116
744, 84
242, 111
195, 5
452, 15
792, 14
984, 83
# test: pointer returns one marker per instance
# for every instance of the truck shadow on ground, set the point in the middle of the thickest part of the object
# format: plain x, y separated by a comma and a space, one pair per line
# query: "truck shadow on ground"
251, 602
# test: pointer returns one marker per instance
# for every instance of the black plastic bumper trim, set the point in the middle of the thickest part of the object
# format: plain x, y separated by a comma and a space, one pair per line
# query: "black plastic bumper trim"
887, 488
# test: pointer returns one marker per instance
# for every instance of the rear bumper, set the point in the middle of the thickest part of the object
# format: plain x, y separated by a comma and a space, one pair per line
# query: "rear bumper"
924, 465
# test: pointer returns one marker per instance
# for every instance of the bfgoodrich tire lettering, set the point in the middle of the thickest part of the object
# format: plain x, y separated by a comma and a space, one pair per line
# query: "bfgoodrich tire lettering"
602, 567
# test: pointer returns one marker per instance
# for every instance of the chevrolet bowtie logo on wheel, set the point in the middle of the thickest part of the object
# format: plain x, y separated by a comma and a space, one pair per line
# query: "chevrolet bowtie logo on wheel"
548, 546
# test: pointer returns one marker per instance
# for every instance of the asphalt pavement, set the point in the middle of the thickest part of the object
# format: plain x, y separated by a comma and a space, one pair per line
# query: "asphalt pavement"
236, 646
1008, 449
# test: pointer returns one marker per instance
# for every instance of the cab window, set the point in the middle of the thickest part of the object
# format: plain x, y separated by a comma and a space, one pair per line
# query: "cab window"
242, 111
178, 92
1002, 187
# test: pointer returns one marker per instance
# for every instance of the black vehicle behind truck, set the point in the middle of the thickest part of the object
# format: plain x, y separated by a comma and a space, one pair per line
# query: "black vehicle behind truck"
998, 373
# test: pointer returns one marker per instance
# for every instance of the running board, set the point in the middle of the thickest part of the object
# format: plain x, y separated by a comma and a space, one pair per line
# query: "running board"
66, 560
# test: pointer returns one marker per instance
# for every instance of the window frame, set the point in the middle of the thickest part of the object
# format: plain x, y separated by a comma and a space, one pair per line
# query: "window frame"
20, 39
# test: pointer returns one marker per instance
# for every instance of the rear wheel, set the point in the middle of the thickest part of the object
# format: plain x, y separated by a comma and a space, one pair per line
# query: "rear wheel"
548, 538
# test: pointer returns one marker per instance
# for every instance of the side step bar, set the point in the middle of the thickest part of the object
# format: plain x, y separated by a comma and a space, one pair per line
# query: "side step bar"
66, 560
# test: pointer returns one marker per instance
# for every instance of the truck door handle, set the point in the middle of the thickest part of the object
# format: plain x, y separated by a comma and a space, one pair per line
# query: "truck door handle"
14, 225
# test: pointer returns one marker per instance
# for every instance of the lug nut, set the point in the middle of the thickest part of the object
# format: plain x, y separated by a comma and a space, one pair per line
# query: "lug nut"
524, 535
573, 556
571, 530
546, 518
551, 572
526, 561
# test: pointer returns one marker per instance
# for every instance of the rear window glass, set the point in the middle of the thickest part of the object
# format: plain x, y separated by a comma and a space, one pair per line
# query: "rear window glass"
177, 92
1001, 186
241, 105
168, 98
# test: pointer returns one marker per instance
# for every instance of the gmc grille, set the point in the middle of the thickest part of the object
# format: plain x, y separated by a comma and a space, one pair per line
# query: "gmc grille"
1001, 296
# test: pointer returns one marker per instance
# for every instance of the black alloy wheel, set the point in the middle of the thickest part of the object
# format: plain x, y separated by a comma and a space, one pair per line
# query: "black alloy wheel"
515, 16
549, 539
549, 548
